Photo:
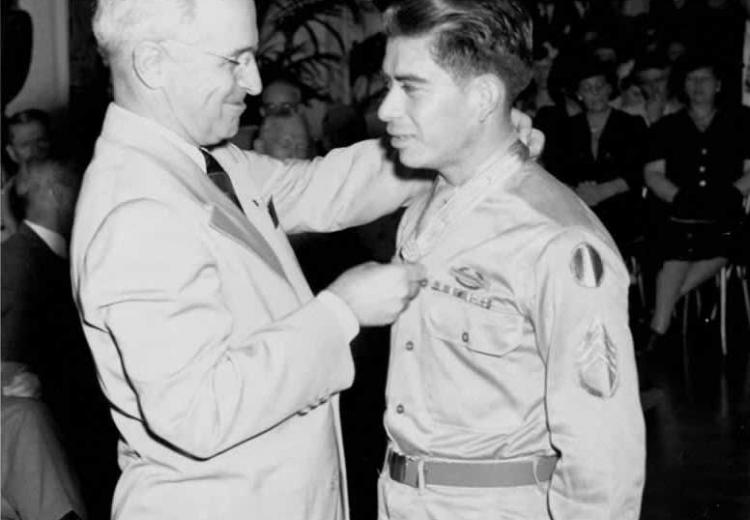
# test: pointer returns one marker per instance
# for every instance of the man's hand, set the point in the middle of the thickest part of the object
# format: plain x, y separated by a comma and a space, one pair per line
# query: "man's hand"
378, 293
531, 137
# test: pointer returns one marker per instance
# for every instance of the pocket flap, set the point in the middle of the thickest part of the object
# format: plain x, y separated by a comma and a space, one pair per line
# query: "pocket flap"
480, 330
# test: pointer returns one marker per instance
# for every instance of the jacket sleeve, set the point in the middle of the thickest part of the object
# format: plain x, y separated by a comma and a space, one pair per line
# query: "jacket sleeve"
347, 187
155, 286
593, 408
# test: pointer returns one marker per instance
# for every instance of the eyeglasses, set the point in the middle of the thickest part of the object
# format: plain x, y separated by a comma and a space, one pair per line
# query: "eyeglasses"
240, 62
287, 107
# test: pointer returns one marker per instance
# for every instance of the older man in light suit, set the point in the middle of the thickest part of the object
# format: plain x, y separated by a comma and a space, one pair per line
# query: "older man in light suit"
221, 367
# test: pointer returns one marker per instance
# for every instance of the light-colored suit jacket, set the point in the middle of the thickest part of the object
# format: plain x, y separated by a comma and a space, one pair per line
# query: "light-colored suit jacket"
221, 367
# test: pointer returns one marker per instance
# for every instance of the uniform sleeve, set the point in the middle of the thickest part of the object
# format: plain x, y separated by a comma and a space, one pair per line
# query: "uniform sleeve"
156, 285
347, 187
593, 409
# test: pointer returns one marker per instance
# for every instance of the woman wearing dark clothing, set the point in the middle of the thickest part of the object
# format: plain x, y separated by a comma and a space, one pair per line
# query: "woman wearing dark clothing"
699, 169
605, 152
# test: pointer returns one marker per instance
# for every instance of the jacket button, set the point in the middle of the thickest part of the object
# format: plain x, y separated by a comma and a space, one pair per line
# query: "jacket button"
400, 409
409, 345
465, 337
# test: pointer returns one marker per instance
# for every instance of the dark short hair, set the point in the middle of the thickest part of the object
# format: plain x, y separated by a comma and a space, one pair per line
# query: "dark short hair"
696, 61
471, 37
589, 67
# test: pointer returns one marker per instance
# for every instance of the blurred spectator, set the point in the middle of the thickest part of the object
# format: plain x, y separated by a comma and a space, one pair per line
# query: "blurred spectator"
40, 326
34, 269
280, 95
652, 76
28, 136
284, 134
699, 168
605, 152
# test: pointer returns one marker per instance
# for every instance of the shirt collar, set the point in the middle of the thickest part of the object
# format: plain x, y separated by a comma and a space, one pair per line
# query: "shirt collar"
54, 240
191, 150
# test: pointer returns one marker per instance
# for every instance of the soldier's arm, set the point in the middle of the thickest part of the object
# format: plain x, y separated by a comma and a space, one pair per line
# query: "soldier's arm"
593, 408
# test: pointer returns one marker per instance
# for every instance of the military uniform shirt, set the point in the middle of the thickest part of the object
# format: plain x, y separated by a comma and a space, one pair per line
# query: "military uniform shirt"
519, 344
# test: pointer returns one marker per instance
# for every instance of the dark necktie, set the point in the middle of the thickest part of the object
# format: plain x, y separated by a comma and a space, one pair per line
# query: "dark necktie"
220, 178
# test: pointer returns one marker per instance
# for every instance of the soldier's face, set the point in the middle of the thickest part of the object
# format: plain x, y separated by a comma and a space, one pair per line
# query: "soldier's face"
425, 110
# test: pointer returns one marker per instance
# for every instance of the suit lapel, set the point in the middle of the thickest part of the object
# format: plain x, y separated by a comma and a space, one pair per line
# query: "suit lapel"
224, 216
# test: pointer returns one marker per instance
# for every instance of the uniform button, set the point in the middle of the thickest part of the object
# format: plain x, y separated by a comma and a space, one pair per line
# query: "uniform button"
400, 409
465, 337
702, 169
409, 345
704, 151
702, 183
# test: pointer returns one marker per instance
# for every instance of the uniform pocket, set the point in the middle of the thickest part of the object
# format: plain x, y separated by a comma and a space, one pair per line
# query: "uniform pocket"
480, 330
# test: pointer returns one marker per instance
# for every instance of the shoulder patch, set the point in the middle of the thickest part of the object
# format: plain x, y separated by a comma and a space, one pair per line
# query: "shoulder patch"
597, 362
587, 266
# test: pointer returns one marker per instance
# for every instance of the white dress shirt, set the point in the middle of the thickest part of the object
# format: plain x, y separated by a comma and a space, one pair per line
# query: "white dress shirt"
54, 240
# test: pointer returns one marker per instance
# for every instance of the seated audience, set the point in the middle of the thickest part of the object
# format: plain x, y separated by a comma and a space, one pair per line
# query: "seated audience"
699, 169
605, 153
652, 76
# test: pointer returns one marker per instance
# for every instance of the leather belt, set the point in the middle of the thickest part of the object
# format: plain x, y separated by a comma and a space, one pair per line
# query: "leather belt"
466, 473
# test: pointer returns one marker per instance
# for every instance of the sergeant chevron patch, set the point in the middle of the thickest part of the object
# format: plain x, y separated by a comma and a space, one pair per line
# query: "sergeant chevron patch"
597, 362
587, 266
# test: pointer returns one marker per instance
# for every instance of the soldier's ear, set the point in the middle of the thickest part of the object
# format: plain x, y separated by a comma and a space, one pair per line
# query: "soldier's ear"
488, 95
259, 146
150, 63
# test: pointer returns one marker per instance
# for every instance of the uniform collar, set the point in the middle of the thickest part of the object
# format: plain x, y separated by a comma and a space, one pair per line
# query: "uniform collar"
497, 169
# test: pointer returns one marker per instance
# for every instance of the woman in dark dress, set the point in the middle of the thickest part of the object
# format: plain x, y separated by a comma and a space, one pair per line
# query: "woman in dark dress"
699, 170
605, 153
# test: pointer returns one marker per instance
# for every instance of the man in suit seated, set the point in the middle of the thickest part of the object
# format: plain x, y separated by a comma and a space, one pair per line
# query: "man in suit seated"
40, 326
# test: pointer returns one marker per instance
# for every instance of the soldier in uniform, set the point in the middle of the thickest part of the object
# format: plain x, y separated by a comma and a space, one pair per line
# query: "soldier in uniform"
512, 389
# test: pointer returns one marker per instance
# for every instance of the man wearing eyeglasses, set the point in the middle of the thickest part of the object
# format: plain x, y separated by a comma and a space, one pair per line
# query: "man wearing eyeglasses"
221, 367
